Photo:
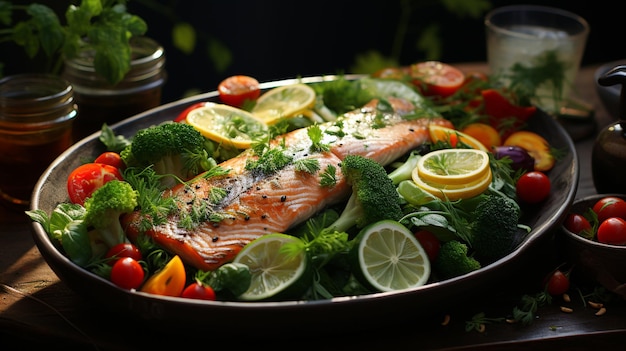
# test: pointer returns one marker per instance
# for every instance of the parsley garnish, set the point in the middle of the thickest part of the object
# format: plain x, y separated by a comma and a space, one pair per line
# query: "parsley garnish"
270, 161
315, 134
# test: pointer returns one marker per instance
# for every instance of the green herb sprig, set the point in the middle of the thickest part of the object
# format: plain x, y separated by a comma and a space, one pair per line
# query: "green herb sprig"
101, 26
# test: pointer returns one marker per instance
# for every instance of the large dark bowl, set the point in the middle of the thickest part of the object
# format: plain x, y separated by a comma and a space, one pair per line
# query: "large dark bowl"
594, 261
343, 313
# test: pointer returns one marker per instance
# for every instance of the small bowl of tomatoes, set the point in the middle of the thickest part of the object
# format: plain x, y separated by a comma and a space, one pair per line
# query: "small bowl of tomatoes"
594, 240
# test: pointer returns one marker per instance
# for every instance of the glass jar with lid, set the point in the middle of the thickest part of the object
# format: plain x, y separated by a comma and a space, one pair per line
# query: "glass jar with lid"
36, 116
102, 102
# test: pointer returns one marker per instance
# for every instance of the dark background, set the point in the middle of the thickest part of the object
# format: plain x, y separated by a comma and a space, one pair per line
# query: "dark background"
275, 39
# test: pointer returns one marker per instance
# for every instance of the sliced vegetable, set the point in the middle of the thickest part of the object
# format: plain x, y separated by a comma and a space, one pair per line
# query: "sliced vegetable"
536, 145
436, 78
386, 256
453, 138
111, 158
86, 178
520, 158
484, 133
505, 116
169, 281
239, 89
182, 117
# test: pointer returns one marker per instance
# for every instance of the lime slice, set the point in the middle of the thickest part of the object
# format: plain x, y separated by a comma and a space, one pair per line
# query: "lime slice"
389, 257
226, 124
453, 137
275, 272
413, 194
454, 166
284, 102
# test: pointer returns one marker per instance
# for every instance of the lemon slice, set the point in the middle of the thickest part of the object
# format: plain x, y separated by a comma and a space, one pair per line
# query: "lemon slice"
453, 191
453, 166
226, 124
453, 137
284, 102
389, 257
275, 273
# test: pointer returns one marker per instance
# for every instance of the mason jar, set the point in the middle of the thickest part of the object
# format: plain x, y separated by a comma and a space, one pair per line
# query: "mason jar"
36, 116
101, 102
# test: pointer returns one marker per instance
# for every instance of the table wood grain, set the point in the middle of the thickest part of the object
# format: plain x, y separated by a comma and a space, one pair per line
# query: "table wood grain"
38, 310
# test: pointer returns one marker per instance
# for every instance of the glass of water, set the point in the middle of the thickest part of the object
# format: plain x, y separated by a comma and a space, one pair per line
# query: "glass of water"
536, 50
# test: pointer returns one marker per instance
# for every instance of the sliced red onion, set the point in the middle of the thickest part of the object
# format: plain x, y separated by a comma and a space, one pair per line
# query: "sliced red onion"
520, 158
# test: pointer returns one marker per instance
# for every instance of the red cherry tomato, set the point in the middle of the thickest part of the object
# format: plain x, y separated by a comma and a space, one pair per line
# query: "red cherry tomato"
612, 231
183, 115
111, 158
236, 90
123, 250
429, 242
558, 283
436, 78
86, 178
610, 206
199, 291
127, 273
577, 223
533, 187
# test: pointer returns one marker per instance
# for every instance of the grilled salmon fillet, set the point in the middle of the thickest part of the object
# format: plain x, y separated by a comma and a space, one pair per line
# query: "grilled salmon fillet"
256, 204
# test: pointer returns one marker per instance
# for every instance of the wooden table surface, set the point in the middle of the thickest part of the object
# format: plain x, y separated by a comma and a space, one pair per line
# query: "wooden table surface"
36, 309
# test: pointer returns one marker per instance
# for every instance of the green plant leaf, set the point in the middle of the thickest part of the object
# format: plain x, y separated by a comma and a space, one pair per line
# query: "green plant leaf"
184, 37
48, 27
24, 36
5, 13
220, 54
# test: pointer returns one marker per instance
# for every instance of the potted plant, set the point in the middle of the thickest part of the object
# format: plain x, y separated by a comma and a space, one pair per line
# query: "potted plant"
100, 49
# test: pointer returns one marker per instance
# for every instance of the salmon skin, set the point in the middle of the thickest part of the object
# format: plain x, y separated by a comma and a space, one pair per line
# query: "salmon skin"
256, 203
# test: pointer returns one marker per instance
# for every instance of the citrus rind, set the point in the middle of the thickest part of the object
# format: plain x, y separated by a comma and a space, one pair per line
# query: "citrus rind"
443, 134
453, 192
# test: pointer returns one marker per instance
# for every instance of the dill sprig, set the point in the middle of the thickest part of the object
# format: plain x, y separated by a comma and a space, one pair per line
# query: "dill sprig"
526, 79
328, 178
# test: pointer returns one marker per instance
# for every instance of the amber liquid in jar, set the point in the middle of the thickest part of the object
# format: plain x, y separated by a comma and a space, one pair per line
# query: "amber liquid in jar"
36, 116
101, 102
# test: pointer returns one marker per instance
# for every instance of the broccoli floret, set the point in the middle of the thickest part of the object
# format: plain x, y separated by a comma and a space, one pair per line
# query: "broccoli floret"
494, 230
104, 208
176, 150
405, 170
453, 260
374, 196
